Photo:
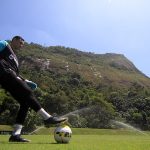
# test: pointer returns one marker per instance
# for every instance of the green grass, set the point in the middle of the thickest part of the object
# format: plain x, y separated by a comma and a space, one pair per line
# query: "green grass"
83, 139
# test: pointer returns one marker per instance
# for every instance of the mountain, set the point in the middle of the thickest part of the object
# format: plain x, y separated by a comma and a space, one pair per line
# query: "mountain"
109, 68
92, 89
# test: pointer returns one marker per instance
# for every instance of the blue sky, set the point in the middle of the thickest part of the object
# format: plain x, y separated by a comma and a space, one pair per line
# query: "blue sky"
99, 26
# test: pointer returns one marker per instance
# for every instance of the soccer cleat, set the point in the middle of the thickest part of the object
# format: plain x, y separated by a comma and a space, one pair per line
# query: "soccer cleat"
17, 138
54, 120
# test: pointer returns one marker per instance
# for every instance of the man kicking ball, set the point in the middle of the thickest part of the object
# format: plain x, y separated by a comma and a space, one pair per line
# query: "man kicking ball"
20, 88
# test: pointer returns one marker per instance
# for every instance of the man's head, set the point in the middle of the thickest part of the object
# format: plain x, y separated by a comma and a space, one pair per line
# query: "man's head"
17, 42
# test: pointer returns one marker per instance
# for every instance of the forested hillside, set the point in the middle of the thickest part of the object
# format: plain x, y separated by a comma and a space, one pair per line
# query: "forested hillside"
101, 86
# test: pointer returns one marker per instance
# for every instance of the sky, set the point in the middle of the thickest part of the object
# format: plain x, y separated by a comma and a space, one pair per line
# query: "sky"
97, 26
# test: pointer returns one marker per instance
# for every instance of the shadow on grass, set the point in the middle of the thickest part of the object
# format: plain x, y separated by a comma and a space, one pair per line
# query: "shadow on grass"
32, 143
59, 143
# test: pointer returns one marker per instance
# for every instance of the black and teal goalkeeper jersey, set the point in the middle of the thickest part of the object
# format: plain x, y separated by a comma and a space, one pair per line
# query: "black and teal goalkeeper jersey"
8, 59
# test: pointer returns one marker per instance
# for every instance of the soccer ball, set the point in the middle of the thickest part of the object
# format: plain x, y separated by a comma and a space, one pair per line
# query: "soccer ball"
62, 134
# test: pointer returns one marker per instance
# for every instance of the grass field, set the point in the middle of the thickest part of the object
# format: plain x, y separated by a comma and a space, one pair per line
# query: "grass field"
83, 139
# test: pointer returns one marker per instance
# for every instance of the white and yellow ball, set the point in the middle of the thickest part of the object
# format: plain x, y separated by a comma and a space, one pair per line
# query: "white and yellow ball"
62, 134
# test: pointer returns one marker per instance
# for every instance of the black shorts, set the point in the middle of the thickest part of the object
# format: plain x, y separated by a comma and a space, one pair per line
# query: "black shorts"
18, 89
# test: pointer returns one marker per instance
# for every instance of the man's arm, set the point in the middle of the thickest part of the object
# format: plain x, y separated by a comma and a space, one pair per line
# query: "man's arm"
3, 44
31, 84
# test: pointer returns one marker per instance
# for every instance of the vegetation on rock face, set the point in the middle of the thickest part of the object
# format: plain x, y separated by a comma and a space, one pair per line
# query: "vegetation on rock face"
68, 80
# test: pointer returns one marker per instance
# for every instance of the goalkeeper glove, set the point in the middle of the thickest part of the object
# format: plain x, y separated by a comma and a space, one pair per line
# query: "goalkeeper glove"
31, 84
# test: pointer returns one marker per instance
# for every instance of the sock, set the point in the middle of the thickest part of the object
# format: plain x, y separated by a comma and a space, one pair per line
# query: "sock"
44, 114
17, 129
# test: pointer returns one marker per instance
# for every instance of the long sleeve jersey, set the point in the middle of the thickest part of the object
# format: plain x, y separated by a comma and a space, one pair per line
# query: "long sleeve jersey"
8, 59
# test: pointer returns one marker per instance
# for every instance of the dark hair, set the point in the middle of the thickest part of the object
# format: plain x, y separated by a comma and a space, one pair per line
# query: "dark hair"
17, 38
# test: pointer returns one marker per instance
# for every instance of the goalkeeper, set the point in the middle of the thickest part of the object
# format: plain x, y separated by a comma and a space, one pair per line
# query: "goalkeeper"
20, 88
